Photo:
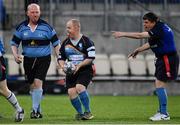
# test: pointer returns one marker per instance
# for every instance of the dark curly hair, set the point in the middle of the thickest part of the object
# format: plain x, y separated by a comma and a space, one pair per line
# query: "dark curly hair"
151, 17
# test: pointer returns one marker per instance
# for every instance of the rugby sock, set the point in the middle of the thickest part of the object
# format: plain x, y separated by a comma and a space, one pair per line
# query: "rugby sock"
36, 98
13, 100
39, 108
85, 100
162, 96
77, 105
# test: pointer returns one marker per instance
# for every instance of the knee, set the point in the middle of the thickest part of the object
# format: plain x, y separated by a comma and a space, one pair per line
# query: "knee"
80, 88
37, 84
5, 92
72, 93
1, 91
160, 84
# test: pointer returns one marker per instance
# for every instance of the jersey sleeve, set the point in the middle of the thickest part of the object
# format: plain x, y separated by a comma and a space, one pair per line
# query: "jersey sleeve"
2, 51
54, 39
62, 55
90, 49
16, 39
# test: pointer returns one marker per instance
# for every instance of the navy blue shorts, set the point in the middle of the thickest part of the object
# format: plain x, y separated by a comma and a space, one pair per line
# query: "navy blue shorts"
36, 68
83, 76
3, 69
162, 67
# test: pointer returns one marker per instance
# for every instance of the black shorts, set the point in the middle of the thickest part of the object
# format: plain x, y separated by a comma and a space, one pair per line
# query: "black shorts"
161, 70
36, 68
3, 70
83, 77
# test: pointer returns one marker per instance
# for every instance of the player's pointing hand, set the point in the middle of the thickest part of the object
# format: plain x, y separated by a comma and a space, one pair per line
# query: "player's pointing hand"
117, 34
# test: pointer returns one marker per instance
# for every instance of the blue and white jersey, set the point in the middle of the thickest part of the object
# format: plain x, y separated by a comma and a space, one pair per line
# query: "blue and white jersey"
84, 49
162, 39
36, 43
2, 51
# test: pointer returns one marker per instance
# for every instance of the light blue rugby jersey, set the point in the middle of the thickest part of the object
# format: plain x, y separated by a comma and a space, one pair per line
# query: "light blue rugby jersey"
37, 43
2, 51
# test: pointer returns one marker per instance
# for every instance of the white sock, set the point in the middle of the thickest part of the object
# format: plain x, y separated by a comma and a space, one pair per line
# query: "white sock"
13, 100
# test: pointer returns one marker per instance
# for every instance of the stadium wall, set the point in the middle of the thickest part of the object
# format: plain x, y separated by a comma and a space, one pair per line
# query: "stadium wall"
127, 87
104, 87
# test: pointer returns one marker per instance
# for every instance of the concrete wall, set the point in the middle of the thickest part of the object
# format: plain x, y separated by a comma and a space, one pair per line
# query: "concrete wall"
130, 88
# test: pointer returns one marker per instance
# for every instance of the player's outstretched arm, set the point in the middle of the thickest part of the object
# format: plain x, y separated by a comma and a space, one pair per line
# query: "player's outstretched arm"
138, 50
133, 35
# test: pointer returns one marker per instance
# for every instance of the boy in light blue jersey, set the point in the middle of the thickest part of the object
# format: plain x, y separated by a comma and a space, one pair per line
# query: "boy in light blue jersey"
36, 37
4, 89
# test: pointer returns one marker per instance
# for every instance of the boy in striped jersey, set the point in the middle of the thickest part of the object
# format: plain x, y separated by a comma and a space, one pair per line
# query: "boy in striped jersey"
79, 50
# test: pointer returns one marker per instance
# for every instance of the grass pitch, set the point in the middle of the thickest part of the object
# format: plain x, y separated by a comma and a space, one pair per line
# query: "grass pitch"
106, 109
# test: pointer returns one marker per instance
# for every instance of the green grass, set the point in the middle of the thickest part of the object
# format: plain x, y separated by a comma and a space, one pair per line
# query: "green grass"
106, 109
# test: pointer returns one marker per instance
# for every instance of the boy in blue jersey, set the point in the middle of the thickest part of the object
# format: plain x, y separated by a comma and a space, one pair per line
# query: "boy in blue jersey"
19, 116
79, 50
161, 42
36, 37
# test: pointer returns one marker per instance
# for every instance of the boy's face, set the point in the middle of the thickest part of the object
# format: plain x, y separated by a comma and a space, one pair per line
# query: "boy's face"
72, 30
148, 25
33, 13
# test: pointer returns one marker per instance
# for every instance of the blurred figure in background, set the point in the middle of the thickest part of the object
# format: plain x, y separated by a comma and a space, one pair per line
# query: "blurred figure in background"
80, 51
19, 115
2, 15
35, 36
161, 42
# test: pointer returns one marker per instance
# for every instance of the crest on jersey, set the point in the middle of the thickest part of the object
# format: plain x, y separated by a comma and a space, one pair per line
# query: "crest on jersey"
80, 46
33, 43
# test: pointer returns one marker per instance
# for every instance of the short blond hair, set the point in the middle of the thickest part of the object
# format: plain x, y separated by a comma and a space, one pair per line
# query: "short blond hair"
31, 5
75, 22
